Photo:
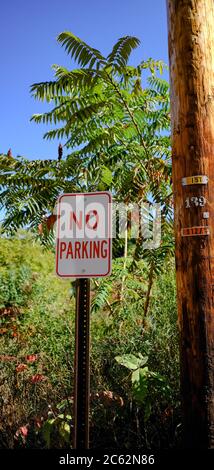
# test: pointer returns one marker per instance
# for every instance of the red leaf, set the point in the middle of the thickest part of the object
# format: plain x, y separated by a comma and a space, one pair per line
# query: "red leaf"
23, 430
14, 335
6, 358
21, 367
37, 378
3, 331
31, 357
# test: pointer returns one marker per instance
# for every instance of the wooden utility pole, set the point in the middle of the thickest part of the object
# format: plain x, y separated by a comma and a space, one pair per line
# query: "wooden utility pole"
191, 54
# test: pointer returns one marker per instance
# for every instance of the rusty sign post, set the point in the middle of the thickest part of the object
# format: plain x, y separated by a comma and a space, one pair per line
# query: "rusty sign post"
191, 54
83, 251
82, 365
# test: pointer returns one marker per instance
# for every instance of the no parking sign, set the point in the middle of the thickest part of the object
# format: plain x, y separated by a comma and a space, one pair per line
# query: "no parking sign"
84, 235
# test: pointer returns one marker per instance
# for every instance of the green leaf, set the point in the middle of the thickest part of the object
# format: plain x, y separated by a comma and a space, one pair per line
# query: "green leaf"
68, 417
135, 377
46, 431
122, 50
79, 50
130, 361
102, 293
106, 176
140, 384
64, 430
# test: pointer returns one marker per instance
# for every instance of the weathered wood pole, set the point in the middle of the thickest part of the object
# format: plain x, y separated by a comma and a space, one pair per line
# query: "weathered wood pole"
191, 54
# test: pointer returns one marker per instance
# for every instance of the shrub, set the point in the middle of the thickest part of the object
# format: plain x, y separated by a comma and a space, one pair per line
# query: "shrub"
37, 349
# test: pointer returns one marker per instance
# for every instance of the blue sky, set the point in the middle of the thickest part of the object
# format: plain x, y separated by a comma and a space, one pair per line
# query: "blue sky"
28, 48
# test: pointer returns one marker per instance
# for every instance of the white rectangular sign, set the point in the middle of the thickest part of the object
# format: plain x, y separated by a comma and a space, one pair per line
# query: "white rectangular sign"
84, 244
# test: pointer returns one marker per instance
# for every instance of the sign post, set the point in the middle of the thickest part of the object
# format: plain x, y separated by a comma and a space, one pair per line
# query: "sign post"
82, 365
83, 251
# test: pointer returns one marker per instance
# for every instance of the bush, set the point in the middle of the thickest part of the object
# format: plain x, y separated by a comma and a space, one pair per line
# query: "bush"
37, 349
155, 423
36, 322
15, 287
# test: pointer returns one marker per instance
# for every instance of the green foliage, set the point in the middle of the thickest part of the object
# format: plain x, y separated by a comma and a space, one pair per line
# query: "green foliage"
44, 325
111, 126
141, 378
15, 287
101, 296
121, 51
57, 430
28, 282
153, 393
79, 50
131, 362
115, 130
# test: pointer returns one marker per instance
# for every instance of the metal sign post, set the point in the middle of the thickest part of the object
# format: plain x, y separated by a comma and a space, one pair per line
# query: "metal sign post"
82, 365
